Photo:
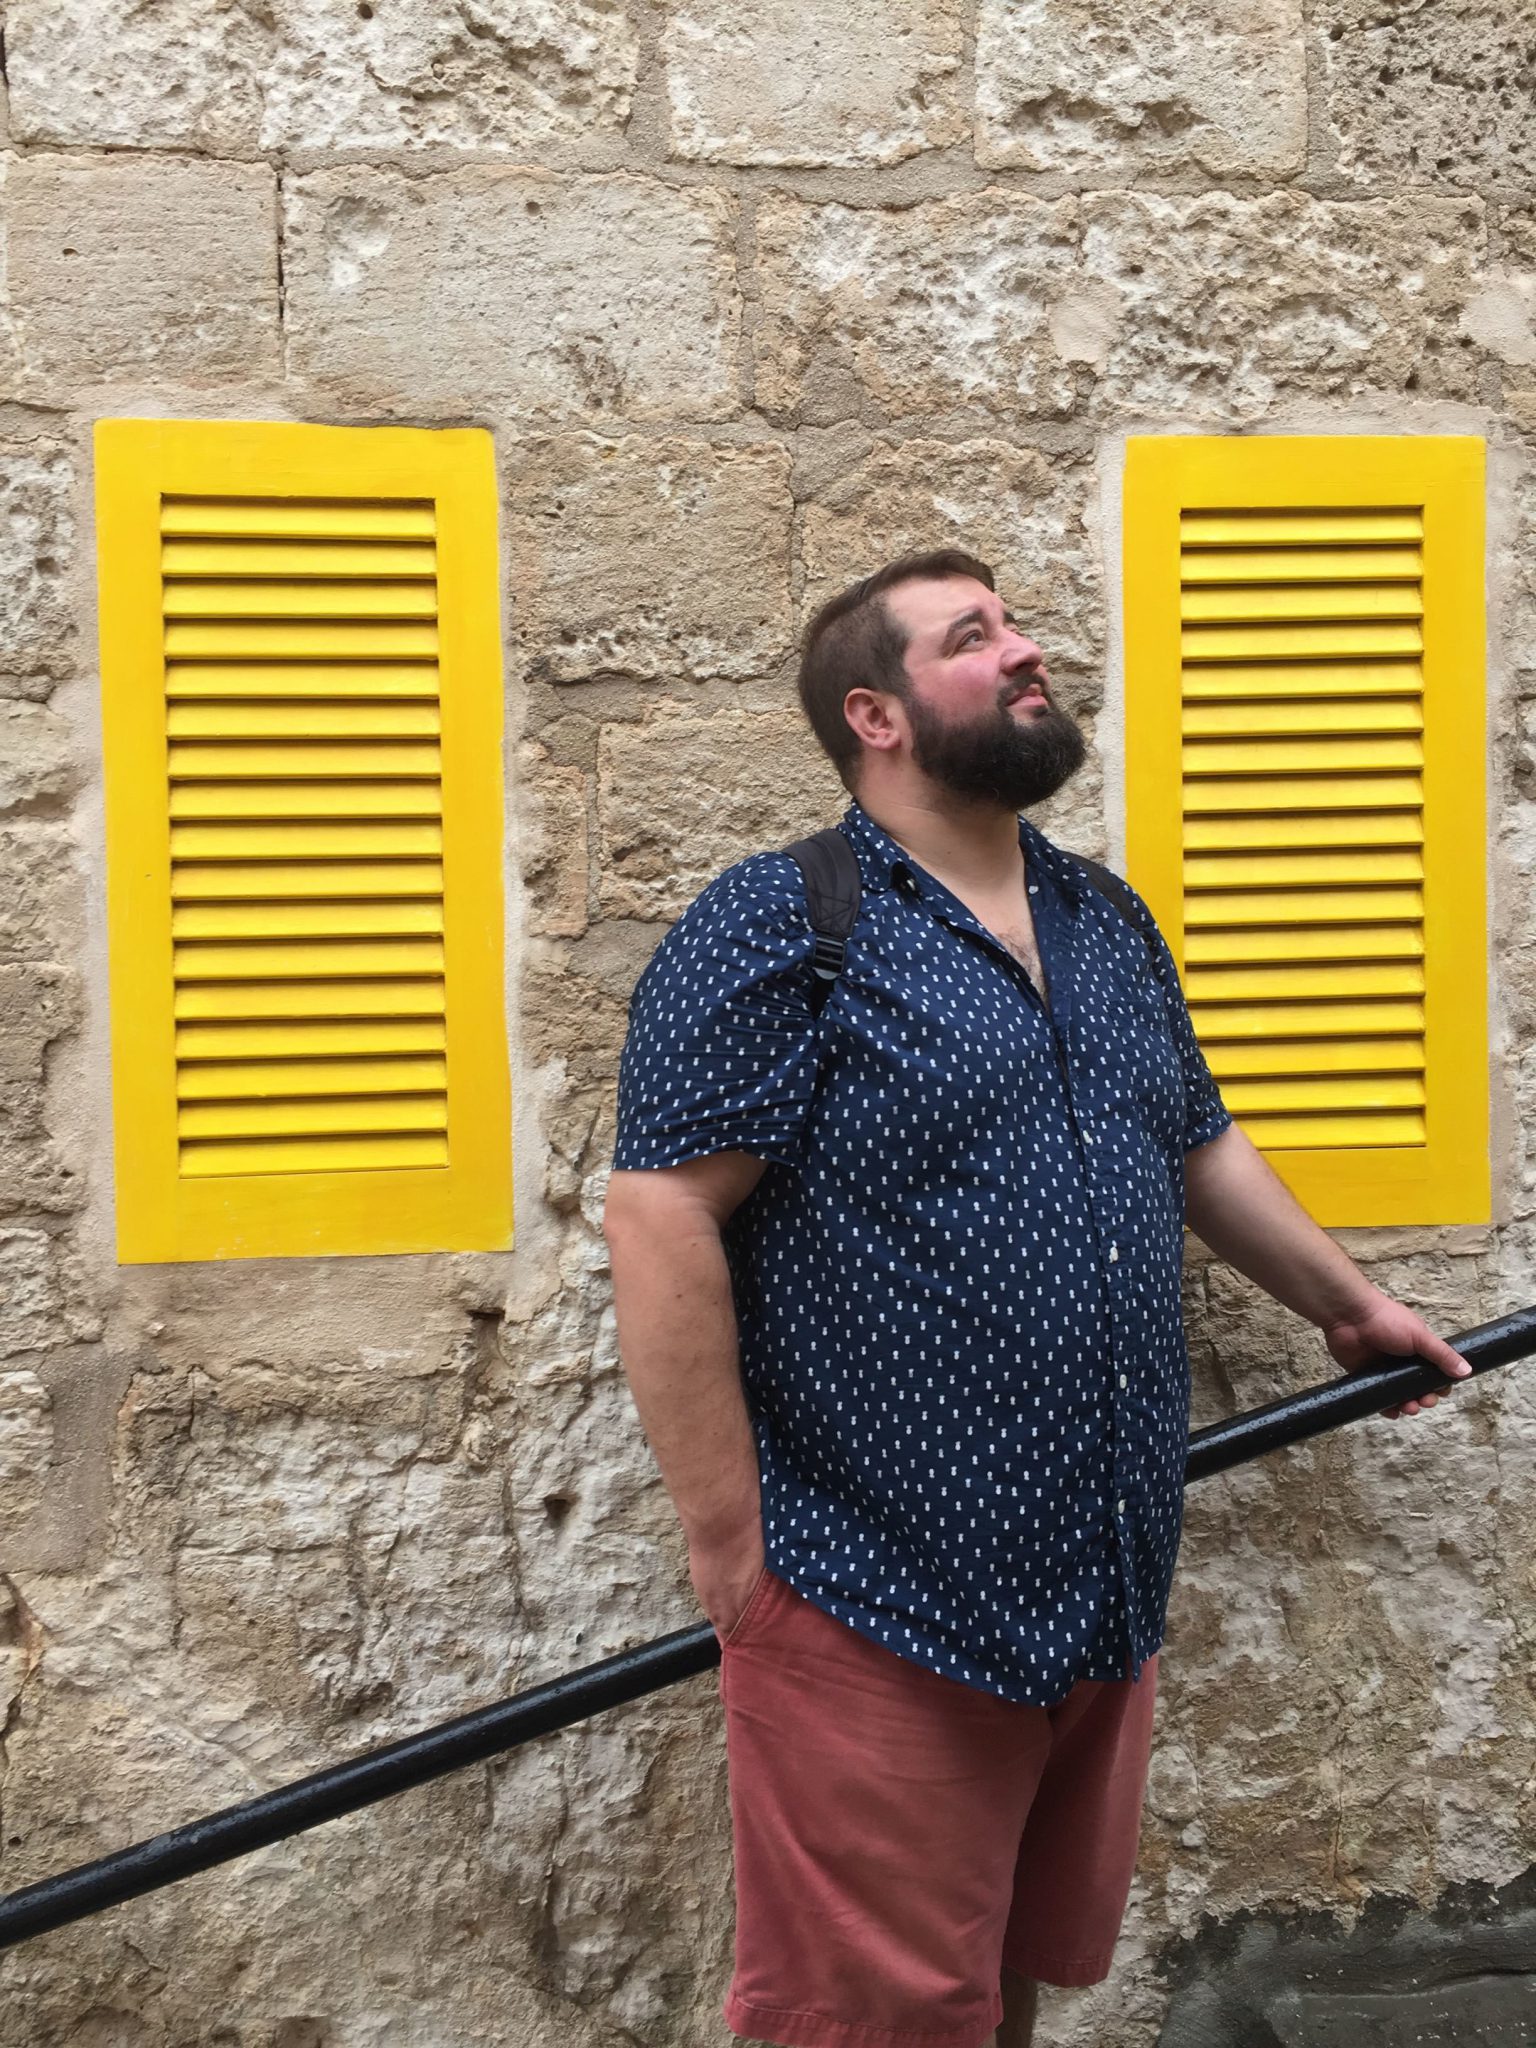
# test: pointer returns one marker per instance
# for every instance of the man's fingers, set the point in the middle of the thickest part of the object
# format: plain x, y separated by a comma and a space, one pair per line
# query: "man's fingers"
1439, 1353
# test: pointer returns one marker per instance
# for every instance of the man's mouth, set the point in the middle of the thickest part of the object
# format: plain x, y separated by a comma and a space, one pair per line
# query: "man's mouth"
1026, 693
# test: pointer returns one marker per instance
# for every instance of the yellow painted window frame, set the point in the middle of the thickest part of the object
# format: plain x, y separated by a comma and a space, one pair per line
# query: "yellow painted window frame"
162, 1215
1446, 1181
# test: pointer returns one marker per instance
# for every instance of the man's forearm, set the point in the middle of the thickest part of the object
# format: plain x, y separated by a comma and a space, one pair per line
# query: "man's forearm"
678, 1341
1239, 1206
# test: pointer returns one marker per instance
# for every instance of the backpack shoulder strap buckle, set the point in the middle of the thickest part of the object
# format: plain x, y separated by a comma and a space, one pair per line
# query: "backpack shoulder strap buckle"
829, 868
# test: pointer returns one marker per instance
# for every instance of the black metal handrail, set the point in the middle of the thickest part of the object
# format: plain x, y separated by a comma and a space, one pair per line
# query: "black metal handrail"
451, 1745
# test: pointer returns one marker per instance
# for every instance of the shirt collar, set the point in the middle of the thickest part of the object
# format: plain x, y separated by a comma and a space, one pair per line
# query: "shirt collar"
885, 865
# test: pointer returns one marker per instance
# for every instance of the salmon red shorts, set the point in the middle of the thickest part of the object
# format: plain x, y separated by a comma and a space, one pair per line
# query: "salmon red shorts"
901, 1836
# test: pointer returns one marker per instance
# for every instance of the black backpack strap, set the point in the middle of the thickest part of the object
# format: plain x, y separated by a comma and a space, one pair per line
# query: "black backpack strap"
1118, 894
829, 868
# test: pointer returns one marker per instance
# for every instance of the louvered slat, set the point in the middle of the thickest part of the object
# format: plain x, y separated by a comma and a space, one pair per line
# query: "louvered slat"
1257, 718
1242, 528
1313, 1056
1303, 830
306, 835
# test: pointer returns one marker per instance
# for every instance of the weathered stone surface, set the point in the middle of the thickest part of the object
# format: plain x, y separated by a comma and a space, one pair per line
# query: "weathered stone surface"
318, 74
41, 892
773, 82
112, 72
1025, 513
553, 802
598, 297
1500, 314
1075, 88
1439, 97
37, 767
944, 305
37, 546
32, 1308
141, 266
38, 1005
26, 1441
1226, 305
645, 558
681, 798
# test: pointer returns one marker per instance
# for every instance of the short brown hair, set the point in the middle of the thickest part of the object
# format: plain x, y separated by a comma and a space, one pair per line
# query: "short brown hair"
855, 640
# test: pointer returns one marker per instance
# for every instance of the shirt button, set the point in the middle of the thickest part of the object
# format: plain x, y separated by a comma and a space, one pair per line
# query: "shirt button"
1114, 1253
1124, 1380
1119, 1507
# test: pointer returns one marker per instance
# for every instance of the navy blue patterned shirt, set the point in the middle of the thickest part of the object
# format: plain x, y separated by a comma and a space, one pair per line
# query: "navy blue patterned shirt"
957, 1283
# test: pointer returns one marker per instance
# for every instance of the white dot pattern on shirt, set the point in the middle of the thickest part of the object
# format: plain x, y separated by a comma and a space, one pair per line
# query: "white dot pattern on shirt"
957, 1284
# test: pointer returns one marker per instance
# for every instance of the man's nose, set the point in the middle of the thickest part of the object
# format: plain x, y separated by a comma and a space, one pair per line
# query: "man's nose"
1020, 651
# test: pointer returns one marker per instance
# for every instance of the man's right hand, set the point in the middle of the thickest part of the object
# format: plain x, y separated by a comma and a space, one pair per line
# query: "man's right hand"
724, 1575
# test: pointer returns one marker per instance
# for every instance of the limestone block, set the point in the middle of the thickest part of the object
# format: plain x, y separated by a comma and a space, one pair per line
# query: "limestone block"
1199, 85
112, 72
550, 296
553, 803
318, 74
682, 798
37, 542
1500, 315
941, 305
37, 770
1227, 304
41, 893
38, 1005
774, 82
562, 1019
648, 558
1428, 96
1023, 512
31, 1305
26, 1443
126, 266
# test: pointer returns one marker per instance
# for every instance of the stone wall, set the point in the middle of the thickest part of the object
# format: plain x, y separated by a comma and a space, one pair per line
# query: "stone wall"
751, 295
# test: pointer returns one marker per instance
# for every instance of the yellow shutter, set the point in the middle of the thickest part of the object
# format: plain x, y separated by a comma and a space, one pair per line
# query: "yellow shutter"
1304, 724
301, 711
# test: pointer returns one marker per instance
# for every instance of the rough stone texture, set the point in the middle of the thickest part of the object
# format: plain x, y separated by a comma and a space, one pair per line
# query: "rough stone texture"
37, 545
32, 1307
1500, 315
599, 297
681, 798
1203, 84
38, 1007
556, 861
255, 1517
647, 558
1440, 94
1225, 304
142, 266
37, 768
317, 74
943, 305
773, 82
41, 905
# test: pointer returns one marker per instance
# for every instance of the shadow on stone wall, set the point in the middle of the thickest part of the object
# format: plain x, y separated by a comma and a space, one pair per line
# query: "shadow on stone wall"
1399, 1978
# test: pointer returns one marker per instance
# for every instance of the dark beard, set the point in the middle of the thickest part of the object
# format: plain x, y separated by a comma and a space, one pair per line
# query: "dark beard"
998, 760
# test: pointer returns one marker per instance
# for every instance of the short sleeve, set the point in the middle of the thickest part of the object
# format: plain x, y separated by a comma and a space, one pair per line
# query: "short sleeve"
1206, 1116
721, 1052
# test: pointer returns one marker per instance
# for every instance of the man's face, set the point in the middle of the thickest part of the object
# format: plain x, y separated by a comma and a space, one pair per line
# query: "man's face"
984, 723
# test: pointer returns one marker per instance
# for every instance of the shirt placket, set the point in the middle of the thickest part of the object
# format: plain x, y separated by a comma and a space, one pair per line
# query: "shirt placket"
1054, 939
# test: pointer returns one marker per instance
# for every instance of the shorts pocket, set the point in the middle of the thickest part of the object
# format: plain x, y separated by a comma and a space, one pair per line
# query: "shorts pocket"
754, 1602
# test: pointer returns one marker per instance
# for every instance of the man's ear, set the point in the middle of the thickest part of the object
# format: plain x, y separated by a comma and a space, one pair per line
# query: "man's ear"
878, 719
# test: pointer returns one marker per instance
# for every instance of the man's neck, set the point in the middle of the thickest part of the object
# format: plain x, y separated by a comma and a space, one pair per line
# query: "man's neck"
972, 845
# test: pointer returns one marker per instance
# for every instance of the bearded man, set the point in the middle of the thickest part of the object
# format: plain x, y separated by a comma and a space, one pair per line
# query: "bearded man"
897, 1284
